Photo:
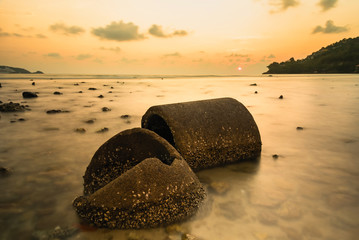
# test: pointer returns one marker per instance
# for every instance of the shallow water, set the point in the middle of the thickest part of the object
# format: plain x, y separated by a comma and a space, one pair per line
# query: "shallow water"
311, 191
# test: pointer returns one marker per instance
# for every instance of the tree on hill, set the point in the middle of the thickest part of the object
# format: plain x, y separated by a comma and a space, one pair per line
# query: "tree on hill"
339, 57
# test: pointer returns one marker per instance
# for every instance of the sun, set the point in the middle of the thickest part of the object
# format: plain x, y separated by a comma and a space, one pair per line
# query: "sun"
239, 68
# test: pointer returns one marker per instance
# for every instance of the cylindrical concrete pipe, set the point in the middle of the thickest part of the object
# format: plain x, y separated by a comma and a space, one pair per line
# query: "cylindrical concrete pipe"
207, 133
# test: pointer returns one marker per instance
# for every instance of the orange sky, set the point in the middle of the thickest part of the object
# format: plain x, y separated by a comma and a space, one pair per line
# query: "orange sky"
168, 37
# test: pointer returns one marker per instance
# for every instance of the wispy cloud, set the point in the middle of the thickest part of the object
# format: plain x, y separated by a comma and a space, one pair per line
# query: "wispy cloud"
66, 30
53, 55
327, 4
83, 56
175, 54
118, 31
282, 5
330, 28
19, 35
40, 35
113, 49
157, 31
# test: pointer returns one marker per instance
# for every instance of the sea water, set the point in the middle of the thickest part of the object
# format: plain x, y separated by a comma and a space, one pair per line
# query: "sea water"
304, 186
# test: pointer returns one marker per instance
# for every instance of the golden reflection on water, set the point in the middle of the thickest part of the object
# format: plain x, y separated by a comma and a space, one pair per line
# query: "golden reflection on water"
311, 191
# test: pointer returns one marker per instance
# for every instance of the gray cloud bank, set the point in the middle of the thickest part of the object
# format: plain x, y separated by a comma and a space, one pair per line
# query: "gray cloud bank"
327, 4
157, 31
329, 28
66, 30
118, 31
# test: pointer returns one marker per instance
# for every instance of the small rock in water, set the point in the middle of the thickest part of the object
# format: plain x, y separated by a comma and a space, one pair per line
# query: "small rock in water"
33, 84
12, 107
275, 156
0, 85
29, 95
219, 187
106, 109
4, 171
188, 236
105, 129
21, 119
253, 84
56, 233
125, 116
91, 121
76, 84
80, 91
255, 92
57, 93
80, 130
281, 97
300, 128
101, 96
91, 88
56, 111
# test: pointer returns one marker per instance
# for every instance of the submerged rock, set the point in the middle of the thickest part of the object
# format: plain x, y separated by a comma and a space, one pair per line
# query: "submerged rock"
12, 107
29, 95
106, 109
56, 111
56, 233
4, 171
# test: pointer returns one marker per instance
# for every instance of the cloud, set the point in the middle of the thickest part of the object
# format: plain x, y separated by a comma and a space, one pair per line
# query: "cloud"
53, 55
118, 31
83, 56
66, 30
180, 33
175, 54
115, 49
40, 35
283, 5
267, 58
329, 28
237, 55
156, 30
327, 4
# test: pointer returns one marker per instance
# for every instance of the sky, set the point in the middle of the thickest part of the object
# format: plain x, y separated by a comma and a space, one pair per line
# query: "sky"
168, 36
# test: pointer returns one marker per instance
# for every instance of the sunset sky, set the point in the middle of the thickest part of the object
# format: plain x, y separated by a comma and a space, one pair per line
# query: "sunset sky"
168, 36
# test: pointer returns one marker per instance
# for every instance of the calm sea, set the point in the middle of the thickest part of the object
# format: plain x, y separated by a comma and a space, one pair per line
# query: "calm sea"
310, 191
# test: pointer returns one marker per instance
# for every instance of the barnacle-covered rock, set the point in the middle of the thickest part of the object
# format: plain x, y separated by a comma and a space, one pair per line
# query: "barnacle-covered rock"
150, 194
207, 133
122, 152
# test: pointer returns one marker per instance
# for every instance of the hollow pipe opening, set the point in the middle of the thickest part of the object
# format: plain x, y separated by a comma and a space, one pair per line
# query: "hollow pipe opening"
158, 125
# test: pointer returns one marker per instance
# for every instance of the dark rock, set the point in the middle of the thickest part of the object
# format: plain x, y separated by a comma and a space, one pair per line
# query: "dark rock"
255, 92
300, 128
0, 85
106, 109
76, 84
80, 130
101, 96
80, 92
38, 72
281, 97
33, 83
207, 133
12, 107
29, 95
12, 121
253, 84
125, 116
57, 93
4, 171
275, 156
91, 121
102, 130
21, 119
56, 111
92, 89
109, 91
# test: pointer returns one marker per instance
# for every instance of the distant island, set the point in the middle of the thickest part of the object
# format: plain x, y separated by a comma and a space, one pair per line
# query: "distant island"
339, 57
9, 70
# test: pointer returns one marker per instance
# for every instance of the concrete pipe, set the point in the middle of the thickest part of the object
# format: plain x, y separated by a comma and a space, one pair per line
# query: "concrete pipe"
207, 133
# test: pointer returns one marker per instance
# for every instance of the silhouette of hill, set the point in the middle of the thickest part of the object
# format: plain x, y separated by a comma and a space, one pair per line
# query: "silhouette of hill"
339, 57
